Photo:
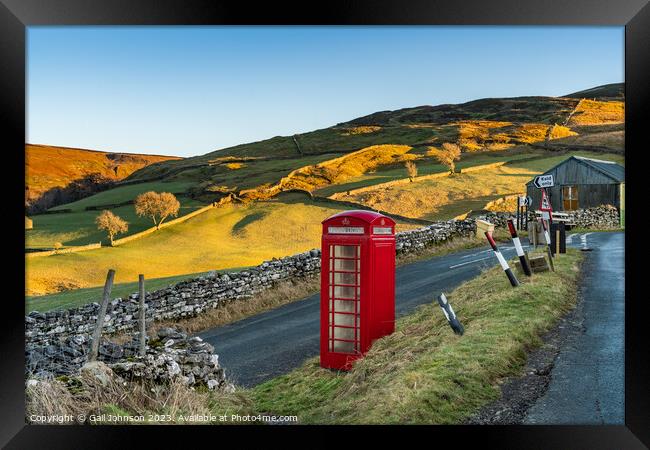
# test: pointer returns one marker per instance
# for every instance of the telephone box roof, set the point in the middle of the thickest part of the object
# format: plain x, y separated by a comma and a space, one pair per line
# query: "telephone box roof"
365, 216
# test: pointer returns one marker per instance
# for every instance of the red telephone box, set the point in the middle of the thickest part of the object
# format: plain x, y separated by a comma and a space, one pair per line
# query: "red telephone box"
357, 285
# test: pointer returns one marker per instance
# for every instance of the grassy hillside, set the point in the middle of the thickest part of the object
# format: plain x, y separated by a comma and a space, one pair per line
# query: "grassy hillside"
483, 125
79, 228
446, 198
606, 92
49, 168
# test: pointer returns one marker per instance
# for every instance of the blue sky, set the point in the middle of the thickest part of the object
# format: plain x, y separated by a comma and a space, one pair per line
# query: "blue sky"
191, 90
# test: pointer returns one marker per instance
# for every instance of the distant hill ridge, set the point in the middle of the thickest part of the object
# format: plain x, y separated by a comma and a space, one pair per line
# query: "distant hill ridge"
57, 175
416, 126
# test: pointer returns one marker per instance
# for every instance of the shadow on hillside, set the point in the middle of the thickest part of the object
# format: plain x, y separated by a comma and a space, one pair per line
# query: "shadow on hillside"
75, 190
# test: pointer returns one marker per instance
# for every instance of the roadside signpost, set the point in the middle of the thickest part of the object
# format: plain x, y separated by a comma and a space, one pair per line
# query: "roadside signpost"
545, 207
523, 203
543, 181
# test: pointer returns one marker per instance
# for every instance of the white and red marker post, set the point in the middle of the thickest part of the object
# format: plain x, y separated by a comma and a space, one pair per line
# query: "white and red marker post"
547, 236
519, 248
504, 264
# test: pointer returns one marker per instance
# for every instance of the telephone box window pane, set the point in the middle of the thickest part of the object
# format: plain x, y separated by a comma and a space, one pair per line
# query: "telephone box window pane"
344, 306
346, 334
345, 278
344, 347
344, 292
345, 251
345, 265
344, 320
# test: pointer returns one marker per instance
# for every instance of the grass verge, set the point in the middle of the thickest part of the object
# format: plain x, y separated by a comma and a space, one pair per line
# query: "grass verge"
423, 373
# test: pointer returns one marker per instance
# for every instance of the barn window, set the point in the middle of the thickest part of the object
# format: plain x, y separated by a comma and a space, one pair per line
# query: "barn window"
569, 198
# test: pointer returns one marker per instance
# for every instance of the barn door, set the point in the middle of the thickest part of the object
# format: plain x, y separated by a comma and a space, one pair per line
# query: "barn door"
569, 198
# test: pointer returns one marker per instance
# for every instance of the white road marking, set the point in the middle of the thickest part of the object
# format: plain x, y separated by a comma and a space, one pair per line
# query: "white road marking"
476, 254
469, 262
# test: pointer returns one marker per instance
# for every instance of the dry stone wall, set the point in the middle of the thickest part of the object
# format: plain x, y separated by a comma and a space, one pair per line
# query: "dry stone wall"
191, 298
170, 356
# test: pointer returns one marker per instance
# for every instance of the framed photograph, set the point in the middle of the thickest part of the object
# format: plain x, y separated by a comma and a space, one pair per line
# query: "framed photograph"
368, 213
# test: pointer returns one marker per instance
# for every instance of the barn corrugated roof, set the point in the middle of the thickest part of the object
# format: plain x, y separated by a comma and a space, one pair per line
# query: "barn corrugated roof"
608, 168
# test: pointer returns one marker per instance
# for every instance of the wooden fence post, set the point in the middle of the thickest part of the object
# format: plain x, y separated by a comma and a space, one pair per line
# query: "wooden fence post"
550, 258
94, 349
141, 316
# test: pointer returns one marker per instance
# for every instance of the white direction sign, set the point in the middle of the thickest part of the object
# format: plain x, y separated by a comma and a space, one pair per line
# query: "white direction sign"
543, 181
525, 201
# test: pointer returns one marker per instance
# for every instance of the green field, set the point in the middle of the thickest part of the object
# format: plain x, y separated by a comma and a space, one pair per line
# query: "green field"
125, 193
79, 228
226, 237
78, 297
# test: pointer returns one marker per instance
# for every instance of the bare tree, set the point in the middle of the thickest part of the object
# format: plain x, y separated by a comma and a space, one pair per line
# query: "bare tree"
411, 169
157, 206
447, 155
111, 223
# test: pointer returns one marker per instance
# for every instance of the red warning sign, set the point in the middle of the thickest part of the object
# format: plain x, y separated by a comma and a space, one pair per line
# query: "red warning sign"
545, 206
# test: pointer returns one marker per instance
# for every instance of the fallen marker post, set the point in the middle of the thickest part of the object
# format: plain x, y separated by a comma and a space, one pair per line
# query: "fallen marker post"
504, 264
450, 315
520, 251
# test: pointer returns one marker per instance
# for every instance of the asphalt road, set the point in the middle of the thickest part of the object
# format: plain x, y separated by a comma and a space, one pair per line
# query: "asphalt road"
272, 343
587, 380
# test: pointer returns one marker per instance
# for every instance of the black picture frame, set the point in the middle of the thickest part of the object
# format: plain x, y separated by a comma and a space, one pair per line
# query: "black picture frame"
16, 15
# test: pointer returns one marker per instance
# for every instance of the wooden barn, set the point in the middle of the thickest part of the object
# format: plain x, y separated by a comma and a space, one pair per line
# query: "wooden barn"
582, 183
